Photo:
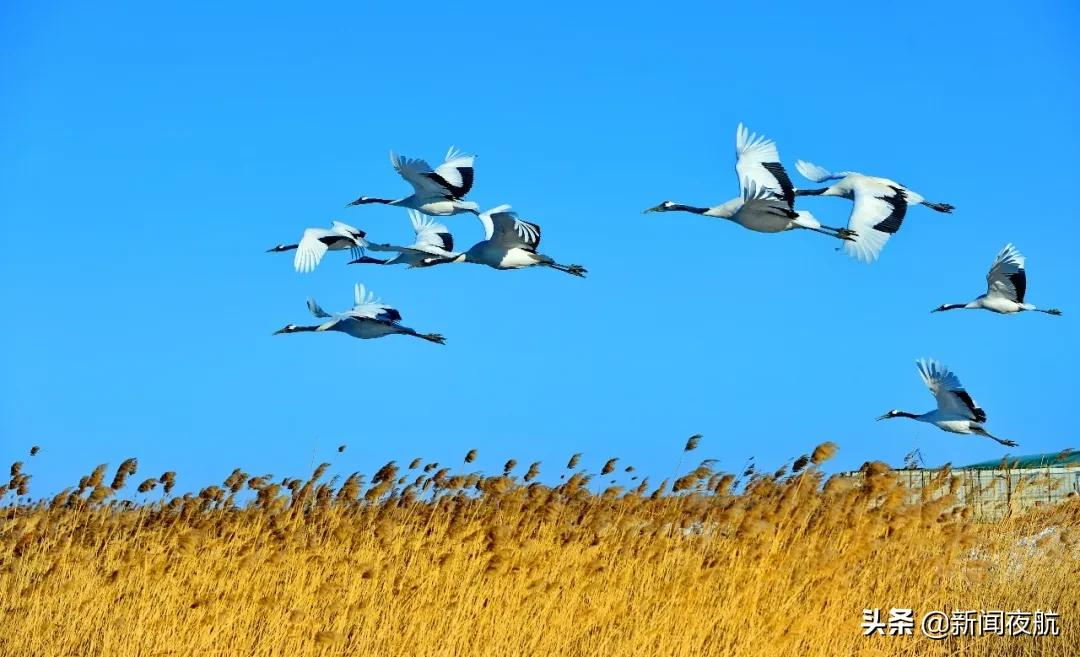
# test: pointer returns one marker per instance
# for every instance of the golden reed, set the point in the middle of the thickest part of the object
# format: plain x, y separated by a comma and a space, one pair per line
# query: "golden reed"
436, 562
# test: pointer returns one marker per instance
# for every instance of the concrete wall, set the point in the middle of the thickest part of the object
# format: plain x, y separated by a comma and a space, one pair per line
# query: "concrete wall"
992, 494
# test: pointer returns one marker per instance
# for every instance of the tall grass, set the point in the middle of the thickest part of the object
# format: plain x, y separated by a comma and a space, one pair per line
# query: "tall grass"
432, 560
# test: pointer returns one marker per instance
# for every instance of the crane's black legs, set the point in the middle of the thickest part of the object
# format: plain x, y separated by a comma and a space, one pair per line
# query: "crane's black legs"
573, 270
839, 233
940, 207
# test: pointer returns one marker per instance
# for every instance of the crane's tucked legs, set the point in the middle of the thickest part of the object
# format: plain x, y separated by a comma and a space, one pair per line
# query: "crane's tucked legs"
1003, 441
573, 270
839, 233
940, 207
430, 337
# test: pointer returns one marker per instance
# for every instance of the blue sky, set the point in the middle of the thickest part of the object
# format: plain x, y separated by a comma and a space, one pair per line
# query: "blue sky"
149, 156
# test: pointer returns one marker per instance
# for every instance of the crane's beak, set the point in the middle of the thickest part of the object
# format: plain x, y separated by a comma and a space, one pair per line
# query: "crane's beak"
658, 208
280, 331
884, 417
271, 250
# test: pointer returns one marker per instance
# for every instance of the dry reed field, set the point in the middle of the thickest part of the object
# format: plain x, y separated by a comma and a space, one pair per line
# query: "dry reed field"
431, 560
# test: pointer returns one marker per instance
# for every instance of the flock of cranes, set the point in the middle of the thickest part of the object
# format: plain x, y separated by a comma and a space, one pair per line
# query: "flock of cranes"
509, 243
765, 203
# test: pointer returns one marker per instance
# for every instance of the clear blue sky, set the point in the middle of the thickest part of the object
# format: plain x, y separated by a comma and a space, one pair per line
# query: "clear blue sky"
149, 156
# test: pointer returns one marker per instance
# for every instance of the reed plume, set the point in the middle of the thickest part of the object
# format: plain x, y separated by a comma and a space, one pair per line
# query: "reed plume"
444, 562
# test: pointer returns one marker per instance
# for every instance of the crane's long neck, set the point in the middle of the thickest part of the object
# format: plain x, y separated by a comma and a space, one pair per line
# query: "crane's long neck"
364, 200
292, 328
911, 416
953, 306
679, 207
822, 191
725, 210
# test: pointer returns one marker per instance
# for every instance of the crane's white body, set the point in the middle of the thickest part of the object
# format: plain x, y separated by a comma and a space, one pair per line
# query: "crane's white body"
1006, 286
765, 203
956, 412
315, 242
438, 192
368, 318
999, 305
880, 205
510, 243
761, 211
961, 426
433, 244
438, 207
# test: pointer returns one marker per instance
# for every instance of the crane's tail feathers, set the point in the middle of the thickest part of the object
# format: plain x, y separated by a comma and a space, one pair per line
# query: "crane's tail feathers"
940, 207
811, 171
316, 309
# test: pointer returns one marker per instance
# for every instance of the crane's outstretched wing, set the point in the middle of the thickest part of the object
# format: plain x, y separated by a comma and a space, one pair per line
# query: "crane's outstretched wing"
756, 199
354, 234
503, 226
757, 161
431, 236
315, 309
311, 249
813, 172
317, 241
951, 396
878, 212
453, 178
367, 306
1007, 277
432, 239
455, 173
346, 230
